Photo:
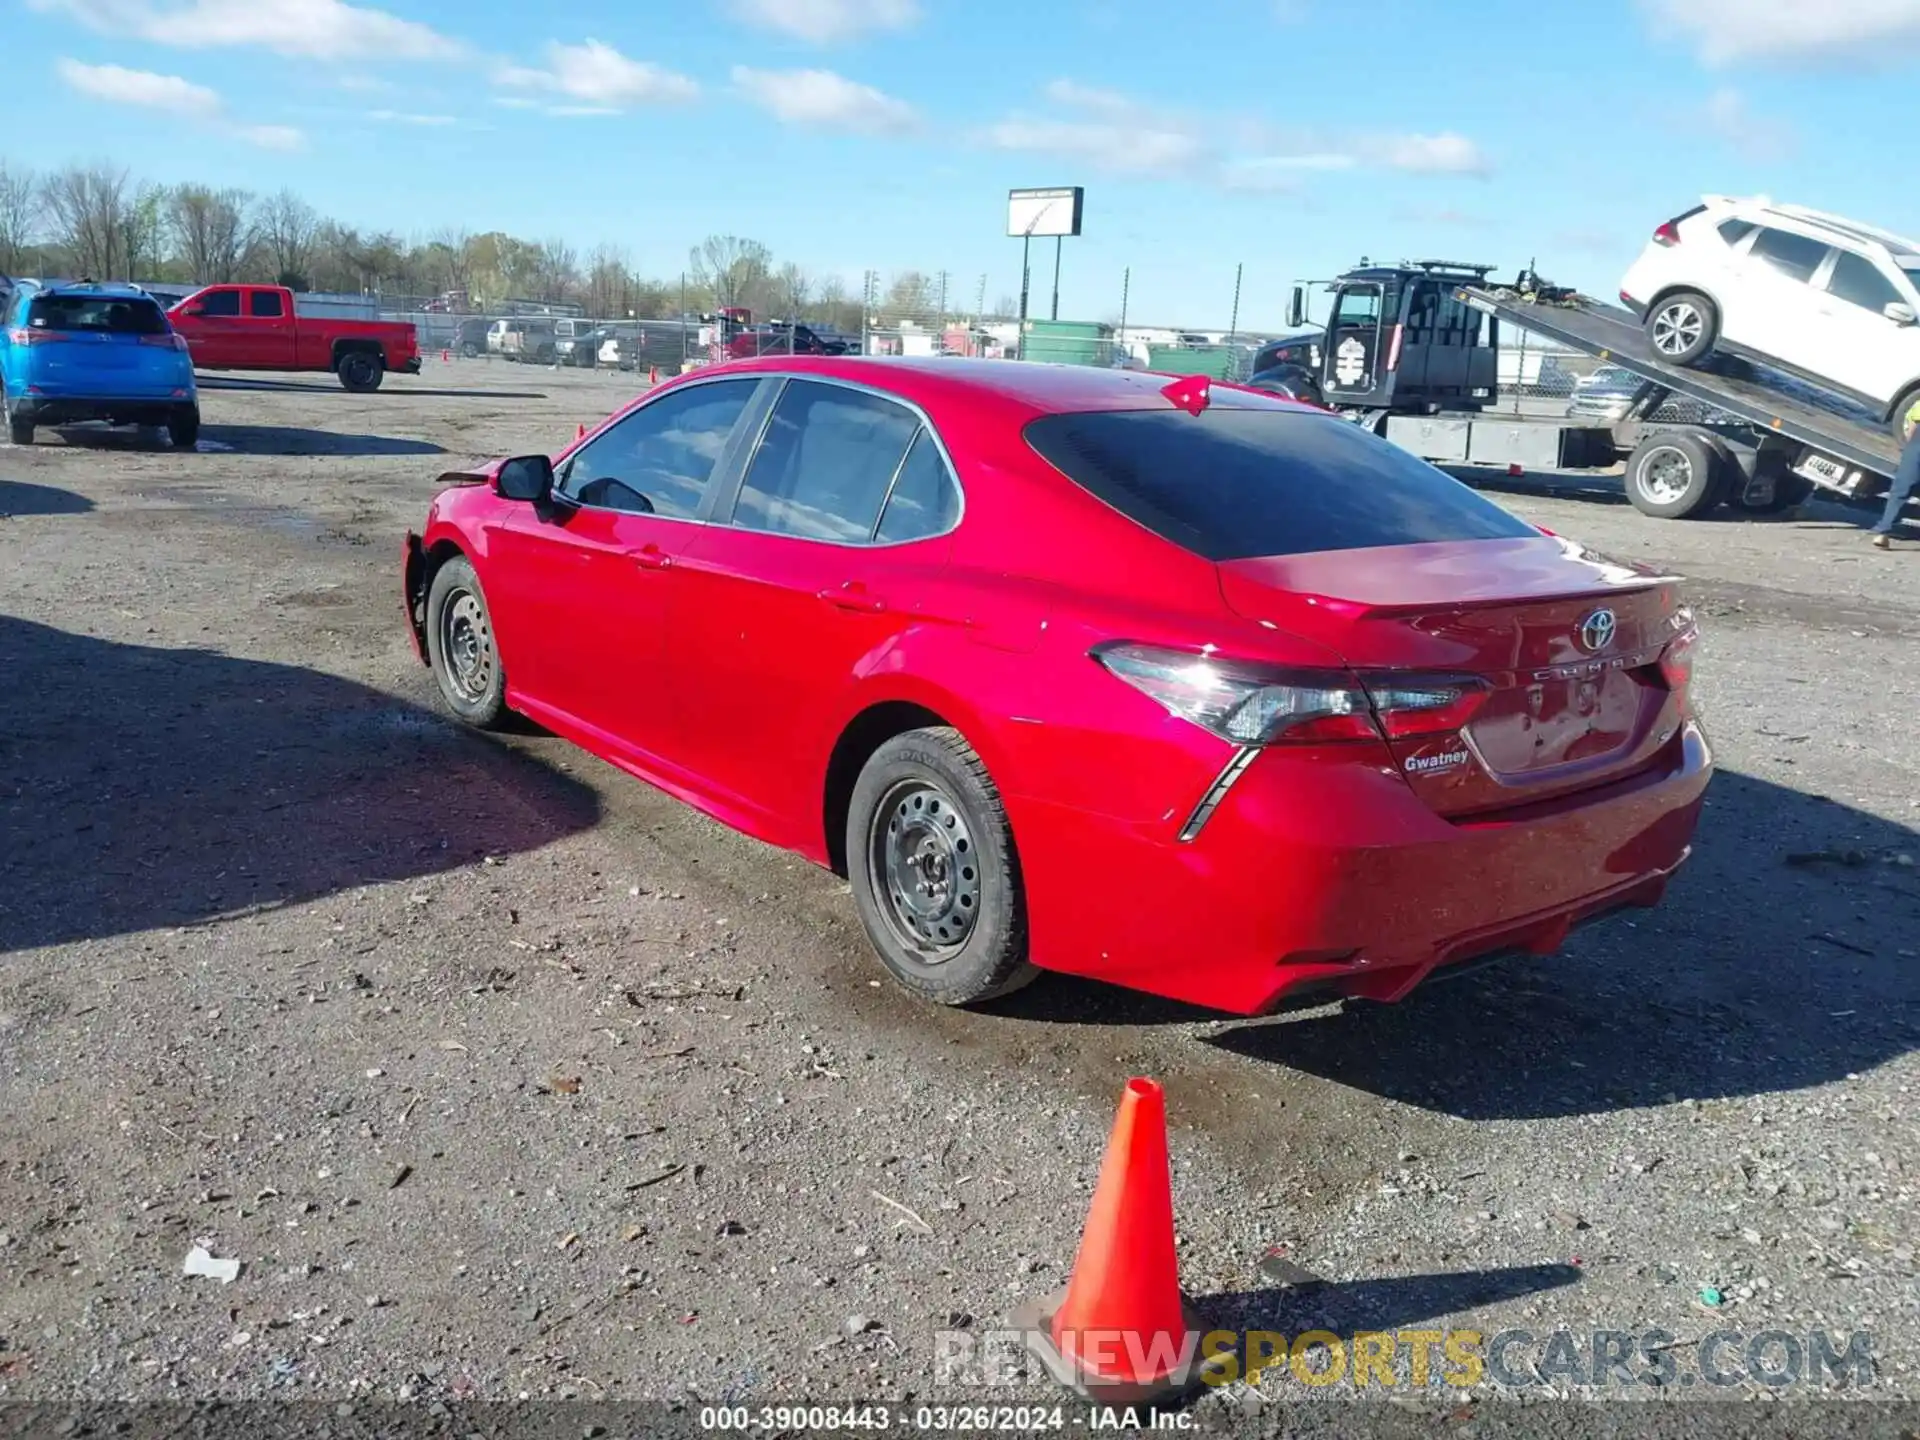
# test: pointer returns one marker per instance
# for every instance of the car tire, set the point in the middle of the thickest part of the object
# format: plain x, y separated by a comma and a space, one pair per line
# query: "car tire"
925, 814
1682, 327
1897, 417
469, 352
361, 371
183, 429
460, 646
1676, 475
19, 431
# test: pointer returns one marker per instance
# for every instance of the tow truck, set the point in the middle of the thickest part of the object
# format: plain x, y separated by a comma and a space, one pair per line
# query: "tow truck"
1412, 351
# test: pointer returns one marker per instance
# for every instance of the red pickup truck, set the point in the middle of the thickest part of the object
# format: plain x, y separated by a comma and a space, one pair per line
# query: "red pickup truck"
253, 327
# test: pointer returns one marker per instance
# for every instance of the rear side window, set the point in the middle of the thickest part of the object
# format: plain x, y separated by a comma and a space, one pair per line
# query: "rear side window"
924, 502
1734, 231
1230, 483
267, 305
1795, 256
823, 468
104, 314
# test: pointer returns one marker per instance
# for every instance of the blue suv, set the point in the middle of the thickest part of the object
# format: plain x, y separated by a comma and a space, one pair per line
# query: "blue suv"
73, 352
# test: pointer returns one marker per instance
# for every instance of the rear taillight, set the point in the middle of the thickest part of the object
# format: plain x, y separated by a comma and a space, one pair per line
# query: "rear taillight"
165, 342
24, 336
1667, 234
1676, 661
1252, 704
1409, 706
1243, 703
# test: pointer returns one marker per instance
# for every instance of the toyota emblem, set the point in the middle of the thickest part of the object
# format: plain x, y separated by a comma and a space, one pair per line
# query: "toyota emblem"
1596, 631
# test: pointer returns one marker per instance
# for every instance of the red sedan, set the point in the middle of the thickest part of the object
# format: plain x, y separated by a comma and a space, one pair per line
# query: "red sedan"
1205, 693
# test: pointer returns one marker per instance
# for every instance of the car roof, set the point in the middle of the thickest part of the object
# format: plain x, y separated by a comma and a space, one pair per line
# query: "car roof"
1820, 223
1029, 386
117, 289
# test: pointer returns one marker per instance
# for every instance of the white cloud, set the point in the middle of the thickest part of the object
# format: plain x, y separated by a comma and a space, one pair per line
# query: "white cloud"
1726, 116
599, 77
310, 29
1731, 32
828, 22
1120, 135
406, 117
822, 100
171, 95
1443, 154
140, 87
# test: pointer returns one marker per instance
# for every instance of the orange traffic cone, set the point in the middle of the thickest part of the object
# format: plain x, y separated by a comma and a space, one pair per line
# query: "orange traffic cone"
579, 432
1121, 1333
653, 375
446, 357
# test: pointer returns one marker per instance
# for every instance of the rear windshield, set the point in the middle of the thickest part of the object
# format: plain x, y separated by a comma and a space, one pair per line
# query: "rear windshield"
111, 314
1232, 483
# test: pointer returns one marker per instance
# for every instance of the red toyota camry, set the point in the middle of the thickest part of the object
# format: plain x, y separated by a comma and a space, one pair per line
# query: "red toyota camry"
1198, 691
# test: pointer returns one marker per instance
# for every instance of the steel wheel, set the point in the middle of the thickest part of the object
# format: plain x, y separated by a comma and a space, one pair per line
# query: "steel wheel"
925, 869
1677, 329
1666, 475
466, 640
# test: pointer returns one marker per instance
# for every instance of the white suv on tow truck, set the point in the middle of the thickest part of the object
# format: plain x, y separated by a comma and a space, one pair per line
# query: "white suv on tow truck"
1830, 300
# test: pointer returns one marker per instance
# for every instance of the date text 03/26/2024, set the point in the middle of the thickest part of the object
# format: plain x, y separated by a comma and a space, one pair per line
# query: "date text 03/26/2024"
958, 1419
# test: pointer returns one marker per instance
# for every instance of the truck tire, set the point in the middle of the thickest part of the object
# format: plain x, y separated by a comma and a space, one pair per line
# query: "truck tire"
361, 371
1682, 327
1676, 475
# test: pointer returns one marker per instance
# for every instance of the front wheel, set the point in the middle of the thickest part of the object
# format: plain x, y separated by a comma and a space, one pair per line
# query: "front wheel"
460, 646
1683, 327
934, 873
360, 371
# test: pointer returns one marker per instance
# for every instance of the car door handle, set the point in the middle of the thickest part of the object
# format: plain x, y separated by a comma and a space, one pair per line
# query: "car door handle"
650, 557
853, 596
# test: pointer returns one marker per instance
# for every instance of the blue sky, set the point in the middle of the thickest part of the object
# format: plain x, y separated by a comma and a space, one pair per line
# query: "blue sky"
849, 134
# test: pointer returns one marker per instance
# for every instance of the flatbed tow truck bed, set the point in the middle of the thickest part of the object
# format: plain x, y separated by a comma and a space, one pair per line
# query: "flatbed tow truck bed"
1614, 337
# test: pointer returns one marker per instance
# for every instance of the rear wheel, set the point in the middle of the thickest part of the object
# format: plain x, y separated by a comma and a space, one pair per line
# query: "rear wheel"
1675, 475
1907, 404
1683, 327
19, 431
934, 873
460, 646
183, 429
360, 371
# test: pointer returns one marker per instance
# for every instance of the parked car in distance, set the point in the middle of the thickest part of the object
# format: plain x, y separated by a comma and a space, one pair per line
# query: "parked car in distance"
1830, 300
575, 342
619, 347
78, 352
776, 338
1225, 706
470, 336
255, 327
1604, 397
524, 338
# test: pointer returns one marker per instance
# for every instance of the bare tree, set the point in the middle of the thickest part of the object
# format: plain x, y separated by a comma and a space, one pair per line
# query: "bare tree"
609, 284
88, 206
146, 235
209, 231
285, 228
909, 297
556, 270
21, 212
732, 269
792, 288
452, 247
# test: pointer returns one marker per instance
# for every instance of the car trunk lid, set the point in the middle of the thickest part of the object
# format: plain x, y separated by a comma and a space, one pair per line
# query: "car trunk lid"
1551, 656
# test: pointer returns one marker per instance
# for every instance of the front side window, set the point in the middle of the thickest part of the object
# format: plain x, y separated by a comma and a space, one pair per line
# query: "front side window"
661, 458
1359, 306
1858, 281
220, 302
822, 469
1788, 254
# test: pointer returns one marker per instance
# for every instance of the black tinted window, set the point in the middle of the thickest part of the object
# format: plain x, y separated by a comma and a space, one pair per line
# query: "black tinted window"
1230, 483
924, 501
823, 466
112, 314
1359, 306
267, 304
220, 302
1794, 256
1734, 231
660, 459
1858, 281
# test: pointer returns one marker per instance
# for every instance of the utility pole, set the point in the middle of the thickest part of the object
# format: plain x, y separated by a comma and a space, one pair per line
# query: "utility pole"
1233, 326
1026, 278
943, 300
980, 301
1126, 284
1057, 243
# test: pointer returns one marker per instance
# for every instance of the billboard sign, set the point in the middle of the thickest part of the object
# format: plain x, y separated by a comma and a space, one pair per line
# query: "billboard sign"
1032, 214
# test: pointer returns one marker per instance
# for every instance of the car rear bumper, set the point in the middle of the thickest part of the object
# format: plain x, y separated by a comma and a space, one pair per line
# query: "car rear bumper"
410, 367
1310, 877
74, 409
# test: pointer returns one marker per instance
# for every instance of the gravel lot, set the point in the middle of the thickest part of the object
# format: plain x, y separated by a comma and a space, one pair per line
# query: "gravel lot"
504, 1075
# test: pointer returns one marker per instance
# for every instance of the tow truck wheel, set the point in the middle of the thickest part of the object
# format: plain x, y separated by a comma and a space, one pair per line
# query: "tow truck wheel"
1675, 475
1683, 327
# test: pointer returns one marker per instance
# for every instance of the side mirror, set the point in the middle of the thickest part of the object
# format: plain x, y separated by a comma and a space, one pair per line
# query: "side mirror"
1898, 313
525, 477
195, 309
1297, 308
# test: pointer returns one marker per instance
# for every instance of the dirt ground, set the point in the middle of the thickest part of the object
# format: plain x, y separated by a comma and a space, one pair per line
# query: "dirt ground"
504, 1075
